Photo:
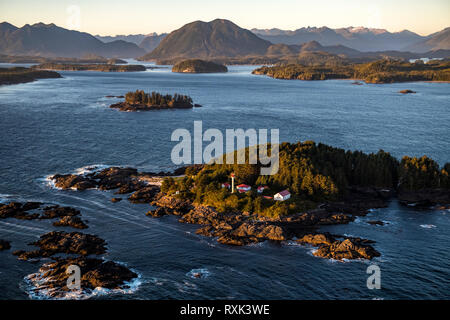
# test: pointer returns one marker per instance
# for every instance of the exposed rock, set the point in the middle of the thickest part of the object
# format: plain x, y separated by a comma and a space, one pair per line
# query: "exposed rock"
4, 245
73, 181
424, 197
174, 205
144, 195
159, 212
62, 242
317, 239
350, 248
70, 221
259, 230
406, 91
376, 222
58, 212
52, 277
18, 211
114, 200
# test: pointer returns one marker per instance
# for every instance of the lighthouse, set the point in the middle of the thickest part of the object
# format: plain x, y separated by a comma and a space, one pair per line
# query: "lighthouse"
232, 182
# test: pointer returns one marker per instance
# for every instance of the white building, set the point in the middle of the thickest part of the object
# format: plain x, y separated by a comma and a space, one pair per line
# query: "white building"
282, 195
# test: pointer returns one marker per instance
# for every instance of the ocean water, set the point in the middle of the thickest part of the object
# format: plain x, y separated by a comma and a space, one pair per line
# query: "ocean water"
61, 125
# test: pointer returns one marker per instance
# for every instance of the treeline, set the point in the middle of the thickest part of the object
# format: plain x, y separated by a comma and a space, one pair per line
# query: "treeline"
381, 71
158, 99
313, 173
102, 67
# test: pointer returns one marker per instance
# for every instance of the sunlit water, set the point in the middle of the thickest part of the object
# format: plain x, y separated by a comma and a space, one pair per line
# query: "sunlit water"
60, 125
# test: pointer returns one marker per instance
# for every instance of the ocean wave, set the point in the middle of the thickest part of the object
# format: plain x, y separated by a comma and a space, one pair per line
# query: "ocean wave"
428, 226
37, 289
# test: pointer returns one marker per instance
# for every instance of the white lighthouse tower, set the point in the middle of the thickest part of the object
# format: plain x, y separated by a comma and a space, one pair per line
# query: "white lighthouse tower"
232, 182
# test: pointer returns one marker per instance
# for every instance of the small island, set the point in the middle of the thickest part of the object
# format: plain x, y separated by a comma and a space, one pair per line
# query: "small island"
381, 71
198, 66
23, 75
316, 185
104, 67
141, 101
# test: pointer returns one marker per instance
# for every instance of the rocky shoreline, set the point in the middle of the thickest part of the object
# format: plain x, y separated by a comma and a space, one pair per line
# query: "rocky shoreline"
65, 249
127, 107
237, 228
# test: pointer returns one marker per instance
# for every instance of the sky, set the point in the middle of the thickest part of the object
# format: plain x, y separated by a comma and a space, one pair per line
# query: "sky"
111, 17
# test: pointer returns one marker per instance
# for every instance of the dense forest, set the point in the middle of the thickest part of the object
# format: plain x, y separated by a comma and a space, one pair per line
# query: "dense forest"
158, 99
381, 71
313, 173
198, 66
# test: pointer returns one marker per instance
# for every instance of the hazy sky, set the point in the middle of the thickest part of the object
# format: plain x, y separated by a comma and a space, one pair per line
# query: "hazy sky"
110, 17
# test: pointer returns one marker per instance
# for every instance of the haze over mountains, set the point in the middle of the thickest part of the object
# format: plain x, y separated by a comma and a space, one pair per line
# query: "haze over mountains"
217, 38
53, 41
148, 42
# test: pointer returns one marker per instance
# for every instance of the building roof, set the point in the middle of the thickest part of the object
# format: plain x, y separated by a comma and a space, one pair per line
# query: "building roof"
284, 193
243, 186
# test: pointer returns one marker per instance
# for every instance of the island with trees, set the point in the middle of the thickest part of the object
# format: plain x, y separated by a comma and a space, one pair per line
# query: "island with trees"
141, 101
327, 186
380, 71
198, 66
102, 67
17, 75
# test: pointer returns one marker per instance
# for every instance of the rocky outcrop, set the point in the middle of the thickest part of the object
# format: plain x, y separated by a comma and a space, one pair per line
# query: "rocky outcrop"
376, 222
349, 248
19, 211
52, 277
59, 242
4, 245
127, 107
70, 221
406, 91
144, 195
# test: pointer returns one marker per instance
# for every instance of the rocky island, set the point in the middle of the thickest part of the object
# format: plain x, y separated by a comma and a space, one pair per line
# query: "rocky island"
141, 101
65, 249
198, 66
23, 75
105, 67
381, 71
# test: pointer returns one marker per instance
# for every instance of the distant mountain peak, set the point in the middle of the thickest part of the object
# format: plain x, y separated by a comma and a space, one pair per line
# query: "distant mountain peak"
216, 38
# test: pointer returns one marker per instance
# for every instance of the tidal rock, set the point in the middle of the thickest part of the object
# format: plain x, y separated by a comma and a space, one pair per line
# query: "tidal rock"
70, 221
376, 222
159, 212
350, 248
17, 210
72, 181
144, 195
4, 245
114, 200
56, 242
406, 91
95, 273
58, 212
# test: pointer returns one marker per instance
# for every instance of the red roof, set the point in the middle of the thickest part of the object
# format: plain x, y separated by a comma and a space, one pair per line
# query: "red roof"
243, 186
226, 184
284, 193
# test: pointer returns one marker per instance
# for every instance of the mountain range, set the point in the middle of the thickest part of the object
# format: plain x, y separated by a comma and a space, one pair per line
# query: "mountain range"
52, 41
148, 42
219, 38
360, 38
